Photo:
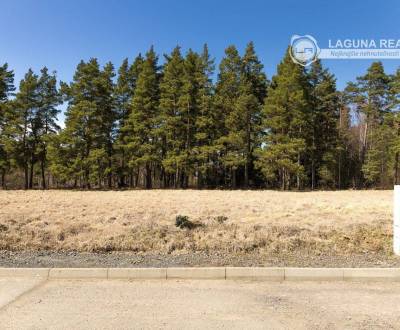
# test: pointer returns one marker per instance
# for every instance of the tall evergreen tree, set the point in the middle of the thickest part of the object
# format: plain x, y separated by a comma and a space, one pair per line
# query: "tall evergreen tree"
241, 90
205, 126
395, 104
46, 117
172, 113
124, 91
89, 126
253, 88
6, 90
323, 144
370, 95
286, 113
108, 117
227, 94
141, 127
23, 128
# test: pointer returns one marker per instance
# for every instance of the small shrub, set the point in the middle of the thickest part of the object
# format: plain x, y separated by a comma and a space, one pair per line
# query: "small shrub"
183, 222
221, 218
61, 236
3, 227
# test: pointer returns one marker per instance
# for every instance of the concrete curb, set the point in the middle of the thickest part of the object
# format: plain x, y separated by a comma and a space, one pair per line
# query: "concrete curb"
255, 273
23, 272
137, 273
215, 273
313, 274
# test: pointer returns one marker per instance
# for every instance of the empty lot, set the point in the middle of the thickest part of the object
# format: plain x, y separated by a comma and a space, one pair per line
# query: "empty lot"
269, 223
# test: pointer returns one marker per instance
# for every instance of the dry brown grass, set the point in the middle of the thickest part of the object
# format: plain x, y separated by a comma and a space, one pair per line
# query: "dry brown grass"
144, 221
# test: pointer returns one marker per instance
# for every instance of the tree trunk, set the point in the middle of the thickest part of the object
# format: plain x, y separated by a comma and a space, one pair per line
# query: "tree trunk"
312, 173
148, 177
131, 179
31, 174
298, 175
3, 179
396, 169
248, 152
26, 175
109, 176
396, 162
246, 174
199, 180
42, 166
340, 171
233, 174
122, 176
136, 178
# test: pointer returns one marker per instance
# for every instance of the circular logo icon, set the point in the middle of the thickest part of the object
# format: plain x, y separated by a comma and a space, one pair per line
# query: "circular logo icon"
304, 49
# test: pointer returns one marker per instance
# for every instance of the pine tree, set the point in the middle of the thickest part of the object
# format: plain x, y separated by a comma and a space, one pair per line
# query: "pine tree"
286, 124
347, 151
323, 144
189, 102
108, 119
89, 127
172, 113
6, 90
227, 94
252, 93
141, 127
124, 91
244, 84
6, 83
395, 104
370, 95
22, 128
205, 126
46, 116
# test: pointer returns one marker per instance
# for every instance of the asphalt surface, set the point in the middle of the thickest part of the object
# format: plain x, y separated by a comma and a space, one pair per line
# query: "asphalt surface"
207, 304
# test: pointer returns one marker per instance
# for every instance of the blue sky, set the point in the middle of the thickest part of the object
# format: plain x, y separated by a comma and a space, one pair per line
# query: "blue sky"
59, 33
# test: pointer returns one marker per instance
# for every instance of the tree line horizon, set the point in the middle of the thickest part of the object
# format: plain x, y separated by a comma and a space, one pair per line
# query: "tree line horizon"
146, 125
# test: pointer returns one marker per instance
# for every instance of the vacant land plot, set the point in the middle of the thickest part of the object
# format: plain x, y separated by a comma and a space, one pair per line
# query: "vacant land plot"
268, 223
229, 221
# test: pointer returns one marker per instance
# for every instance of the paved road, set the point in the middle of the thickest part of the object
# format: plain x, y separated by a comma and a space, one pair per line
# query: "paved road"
101, 304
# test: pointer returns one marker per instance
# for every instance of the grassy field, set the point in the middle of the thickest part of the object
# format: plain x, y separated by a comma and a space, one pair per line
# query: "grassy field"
144, 221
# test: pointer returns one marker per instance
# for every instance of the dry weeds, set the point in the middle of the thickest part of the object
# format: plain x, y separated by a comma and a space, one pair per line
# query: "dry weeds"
144, 221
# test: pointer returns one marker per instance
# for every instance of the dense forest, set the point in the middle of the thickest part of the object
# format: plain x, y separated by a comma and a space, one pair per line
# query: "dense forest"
180, 124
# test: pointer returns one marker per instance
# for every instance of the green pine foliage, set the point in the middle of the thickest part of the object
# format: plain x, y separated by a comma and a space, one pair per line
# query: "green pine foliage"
172, 113
124, 91
286, 122
371, 97
142, 124
323, 142
204, 150
89, 127
180, 125
6, 90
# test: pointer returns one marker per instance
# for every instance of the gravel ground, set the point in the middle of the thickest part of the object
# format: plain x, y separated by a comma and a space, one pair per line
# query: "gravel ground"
129, 259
